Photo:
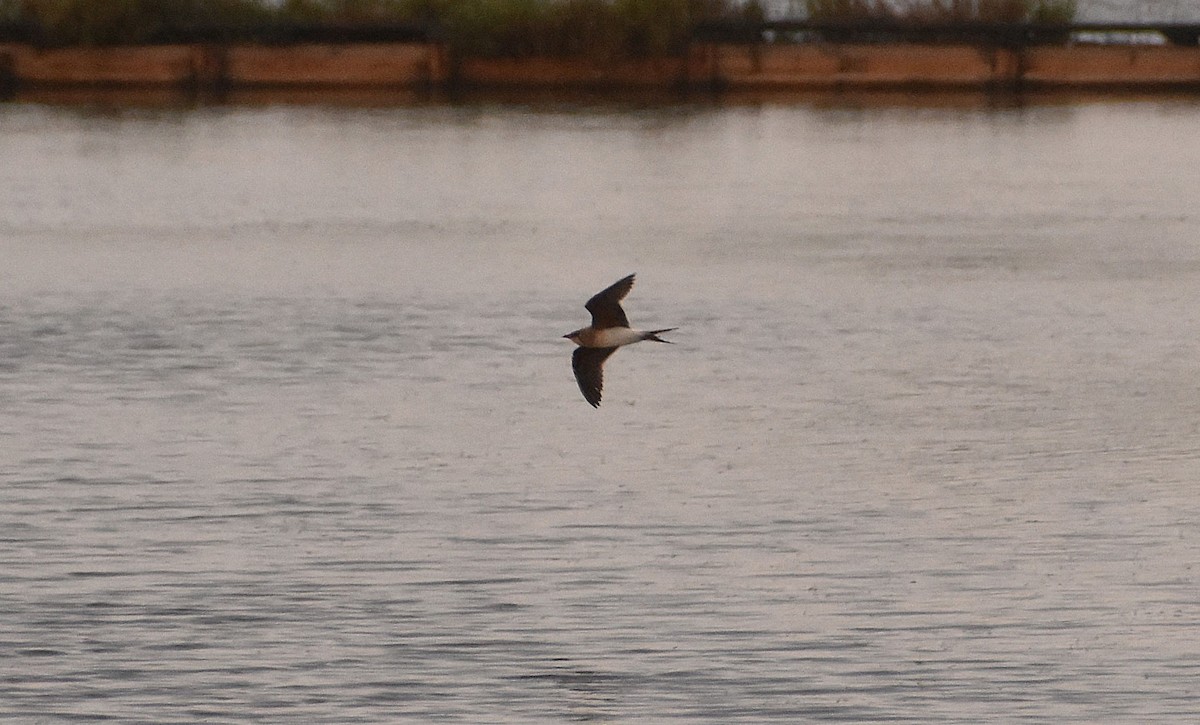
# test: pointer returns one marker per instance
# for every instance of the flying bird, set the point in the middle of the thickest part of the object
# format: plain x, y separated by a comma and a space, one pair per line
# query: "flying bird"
608, 331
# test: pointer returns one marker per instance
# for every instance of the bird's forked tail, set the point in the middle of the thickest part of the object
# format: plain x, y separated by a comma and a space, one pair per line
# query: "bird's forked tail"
654, 335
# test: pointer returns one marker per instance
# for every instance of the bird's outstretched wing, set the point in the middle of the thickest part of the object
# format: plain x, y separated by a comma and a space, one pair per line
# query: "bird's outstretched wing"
588, 364
605, 305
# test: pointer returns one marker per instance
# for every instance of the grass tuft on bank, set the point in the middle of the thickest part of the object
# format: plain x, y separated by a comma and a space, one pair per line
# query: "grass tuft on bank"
943, 12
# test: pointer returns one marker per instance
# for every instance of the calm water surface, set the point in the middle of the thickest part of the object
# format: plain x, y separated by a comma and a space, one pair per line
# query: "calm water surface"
289, 432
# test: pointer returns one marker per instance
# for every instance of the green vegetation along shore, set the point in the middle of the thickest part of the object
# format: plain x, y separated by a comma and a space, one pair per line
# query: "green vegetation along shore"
604, 29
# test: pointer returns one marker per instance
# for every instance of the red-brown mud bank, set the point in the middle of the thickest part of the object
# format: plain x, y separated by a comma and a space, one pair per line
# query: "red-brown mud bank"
734, 67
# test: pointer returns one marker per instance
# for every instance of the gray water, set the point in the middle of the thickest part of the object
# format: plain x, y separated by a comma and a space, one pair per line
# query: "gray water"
1177, 11
289, 432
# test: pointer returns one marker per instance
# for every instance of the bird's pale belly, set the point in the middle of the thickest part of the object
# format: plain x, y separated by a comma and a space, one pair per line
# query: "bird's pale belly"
613, 337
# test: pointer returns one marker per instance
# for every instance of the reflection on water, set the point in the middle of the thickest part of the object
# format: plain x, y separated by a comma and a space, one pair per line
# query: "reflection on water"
123, 99
290, 432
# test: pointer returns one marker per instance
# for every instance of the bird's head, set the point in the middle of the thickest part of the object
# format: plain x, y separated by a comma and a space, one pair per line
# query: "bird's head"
573, 336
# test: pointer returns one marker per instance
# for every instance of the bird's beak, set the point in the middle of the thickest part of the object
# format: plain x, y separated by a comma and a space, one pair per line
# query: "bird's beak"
567, 337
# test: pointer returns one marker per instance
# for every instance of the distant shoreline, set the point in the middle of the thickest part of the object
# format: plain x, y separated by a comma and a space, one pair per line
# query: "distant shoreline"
216, 69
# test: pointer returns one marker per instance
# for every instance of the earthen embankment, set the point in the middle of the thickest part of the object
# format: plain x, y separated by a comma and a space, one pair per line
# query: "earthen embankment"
706, 66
